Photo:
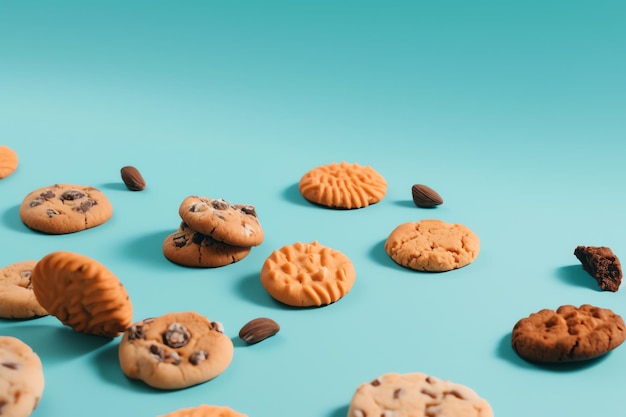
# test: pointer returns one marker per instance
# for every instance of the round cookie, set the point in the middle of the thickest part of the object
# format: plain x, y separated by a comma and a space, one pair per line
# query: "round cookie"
17, 299
432, 245
416, 395
205, 410
343, 186
82, 293
21, 378
190, 248
8, 161
176, 350
235, 225
307, 275
568, 334
65, 208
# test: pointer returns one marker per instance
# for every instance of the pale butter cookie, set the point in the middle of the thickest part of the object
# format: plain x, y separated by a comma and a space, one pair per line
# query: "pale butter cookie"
8, 161
343, 185
416, 395
21, 378
82, 293
190, 248
307, 275
65, 208
17, 299
432, 245
176, 350
205, 410
568, 334
233, 224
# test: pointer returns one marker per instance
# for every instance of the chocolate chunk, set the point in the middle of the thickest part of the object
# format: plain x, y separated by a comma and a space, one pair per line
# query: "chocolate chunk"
51, 212
86, 205
198, 357
176, 335
220, 204
72, 195
36, 202
48, 194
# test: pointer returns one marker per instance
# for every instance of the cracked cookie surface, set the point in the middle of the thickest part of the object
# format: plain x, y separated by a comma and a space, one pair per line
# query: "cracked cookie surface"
233, 224
17, 299
343, 185
432, 245
190, 248
65, 208
601, 263
82, 293
307, 275
568, 334
416, 395
175, 350
21, 378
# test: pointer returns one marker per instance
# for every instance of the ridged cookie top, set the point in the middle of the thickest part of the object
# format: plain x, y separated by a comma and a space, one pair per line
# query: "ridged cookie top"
307, 274
205, 410
82, 293
343, 185
416, 395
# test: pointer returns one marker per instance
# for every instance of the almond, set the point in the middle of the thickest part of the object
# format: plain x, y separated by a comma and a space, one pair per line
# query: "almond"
424, 196
258, 329
132, 178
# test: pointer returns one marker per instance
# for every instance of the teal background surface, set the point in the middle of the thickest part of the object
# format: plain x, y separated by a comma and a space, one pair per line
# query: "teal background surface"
515, 112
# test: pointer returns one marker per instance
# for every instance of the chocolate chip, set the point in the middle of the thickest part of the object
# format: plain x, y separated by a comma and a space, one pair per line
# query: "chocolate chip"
176, 335
217, 326
175, 357
11, 365
36, 202
397, 393
86, 205
197, 238
247, 209
157, 352
72, 195
51, 212
136, 332
180, 240
48, 194
220, 204
198, 357
375, 382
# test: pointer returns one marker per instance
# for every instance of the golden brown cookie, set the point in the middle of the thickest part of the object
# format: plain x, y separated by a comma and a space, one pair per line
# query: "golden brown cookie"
205, 410
233, 224
416, 395
190, 248
21, 378
8, 161
17, 299
65, 208
176, 350
568, 334
307, 275
432, 245
82, 293
343, 186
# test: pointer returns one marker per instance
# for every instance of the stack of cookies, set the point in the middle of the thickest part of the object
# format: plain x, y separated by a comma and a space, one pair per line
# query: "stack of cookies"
213, 233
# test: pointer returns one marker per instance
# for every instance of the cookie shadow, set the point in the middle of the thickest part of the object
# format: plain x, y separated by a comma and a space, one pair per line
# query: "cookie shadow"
339, 412
292, 194
56, 344
506, 352
107, 363
147, 249
380, 256
115, 186
12, 220
576, 275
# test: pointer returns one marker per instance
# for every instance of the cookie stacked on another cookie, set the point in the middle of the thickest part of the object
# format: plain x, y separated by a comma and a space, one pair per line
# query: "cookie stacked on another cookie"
213, 233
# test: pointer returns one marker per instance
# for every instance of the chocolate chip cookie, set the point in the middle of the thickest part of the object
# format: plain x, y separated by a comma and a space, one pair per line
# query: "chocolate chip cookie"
233, 224
190, 248
568, 334
65, 208
602, 264
21, 378
176, 350
416, 395
17, 299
